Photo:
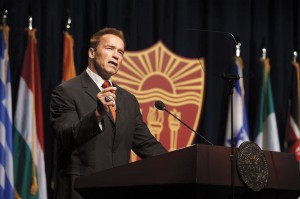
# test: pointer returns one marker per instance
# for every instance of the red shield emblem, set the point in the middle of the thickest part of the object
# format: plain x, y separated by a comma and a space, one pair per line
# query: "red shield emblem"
156, 73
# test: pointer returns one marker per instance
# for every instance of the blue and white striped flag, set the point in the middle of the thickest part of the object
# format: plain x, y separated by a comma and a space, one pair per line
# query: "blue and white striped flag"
240, 119
6, 157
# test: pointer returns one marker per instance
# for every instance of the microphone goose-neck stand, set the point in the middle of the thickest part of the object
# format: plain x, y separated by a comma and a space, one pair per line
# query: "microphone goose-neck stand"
231, 83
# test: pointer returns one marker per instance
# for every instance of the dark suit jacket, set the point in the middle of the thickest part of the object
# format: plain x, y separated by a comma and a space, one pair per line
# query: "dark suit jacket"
82, 147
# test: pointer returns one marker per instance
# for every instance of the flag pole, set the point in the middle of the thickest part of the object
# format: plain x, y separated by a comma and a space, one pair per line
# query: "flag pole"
68, 24
231, 83
295, 56
30, 23
4, 17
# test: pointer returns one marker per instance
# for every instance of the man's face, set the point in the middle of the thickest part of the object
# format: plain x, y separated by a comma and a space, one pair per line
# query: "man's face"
108, 56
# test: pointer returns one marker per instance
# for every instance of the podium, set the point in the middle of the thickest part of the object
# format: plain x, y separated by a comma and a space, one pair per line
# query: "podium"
197, 171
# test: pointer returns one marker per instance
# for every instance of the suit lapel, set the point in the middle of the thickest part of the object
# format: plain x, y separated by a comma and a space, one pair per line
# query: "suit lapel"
90, 87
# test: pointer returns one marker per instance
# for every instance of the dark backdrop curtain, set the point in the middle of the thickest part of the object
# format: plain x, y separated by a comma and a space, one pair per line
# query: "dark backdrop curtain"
256, 23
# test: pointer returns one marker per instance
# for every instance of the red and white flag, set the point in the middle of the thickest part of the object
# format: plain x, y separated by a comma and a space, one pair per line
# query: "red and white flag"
29, 164
292, 136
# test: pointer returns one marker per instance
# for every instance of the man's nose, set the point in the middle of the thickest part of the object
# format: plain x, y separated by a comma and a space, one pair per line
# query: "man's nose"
116, 55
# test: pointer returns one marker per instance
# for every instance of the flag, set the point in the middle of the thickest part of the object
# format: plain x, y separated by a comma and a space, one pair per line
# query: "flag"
266, 133
6, 126
29, 165
240, 119
68, 72
292, 135
68, 58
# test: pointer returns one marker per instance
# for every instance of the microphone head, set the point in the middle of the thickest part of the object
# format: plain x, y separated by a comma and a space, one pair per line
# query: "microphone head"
160, 105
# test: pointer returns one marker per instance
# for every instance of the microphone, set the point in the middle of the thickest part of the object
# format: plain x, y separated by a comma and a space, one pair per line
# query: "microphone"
161, 106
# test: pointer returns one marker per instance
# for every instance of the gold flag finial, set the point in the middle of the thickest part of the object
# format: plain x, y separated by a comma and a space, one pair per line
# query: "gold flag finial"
295, 56
30, 23
264, 53
238, 49
4, 17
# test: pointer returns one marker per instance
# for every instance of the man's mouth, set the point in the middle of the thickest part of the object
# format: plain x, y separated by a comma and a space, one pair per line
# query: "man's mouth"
114, 63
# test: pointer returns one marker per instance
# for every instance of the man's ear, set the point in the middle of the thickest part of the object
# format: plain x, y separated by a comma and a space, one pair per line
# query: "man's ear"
91, 53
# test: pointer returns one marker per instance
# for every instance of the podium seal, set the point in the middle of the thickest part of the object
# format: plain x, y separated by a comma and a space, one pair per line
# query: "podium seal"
252, 165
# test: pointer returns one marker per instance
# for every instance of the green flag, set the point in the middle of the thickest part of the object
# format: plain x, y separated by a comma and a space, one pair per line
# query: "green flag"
266, 133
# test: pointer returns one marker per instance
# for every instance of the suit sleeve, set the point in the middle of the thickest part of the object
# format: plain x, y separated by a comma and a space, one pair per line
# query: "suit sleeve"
70, 130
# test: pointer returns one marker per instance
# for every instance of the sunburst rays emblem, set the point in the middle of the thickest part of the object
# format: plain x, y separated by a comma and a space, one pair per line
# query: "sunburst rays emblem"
156, 73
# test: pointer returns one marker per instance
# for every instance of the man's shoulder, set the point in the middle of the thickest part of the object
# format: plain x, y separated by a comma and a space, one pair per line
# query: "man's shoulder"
75, 81
70, 85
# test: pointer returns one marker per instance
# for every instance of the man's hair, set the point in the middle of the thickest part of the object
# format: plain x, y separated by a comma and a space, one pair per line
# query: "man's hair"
95, 38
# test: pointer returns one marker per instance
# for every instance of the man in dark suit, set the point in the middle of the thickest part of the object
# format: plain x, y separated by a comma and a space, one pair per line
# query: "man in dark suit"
96, 125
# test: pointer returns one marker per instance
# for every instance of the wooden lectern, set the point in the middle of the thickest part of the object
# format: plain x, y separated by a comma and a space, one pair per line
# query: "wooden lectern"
197, 171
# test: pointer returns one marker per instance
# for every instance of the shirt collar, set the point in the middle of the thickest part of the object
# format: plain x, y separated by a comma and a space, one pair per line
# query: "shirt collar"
96, 78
